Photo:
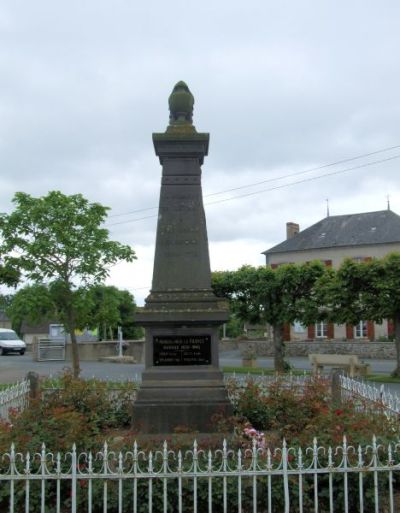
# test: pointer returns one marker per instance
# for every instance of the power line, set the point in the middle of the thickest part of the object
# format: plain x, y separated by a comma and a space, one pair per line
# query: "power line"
277, 186
133, 212
306, 180
133, 220
290, 175
306, 171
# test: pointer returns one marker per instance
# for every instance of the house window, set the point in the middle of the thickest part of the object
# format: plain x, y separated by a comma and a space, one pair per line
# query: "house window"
56, 331
321, 330
299, 328
361, 330
275, 266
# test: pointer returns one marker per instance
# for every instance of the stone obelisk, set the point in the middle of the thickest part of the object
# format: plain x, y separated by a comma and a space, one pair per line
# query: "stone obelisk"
181, 384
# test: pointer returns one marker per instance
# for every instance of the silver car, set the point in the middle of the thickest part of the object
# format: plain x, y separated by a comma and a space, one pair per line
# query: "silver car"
10, 342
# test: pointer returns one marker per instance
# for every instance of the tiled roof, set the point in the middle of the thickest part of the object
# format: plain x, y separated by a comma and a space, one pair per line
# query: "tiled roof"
36, 329
380, 227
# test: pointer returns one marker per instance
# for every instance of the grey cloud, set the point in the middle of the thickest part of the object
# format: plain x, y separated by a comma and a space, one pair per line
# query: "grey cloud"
280, 86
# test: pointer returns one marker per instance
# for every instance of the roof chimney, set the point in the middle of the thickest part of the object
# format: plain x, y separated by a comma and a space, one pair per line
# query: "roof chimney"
292, 229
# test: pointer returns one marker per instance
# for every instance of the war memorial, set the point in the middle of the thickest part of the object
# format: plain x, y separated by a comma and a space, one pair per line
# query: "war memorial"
181, 384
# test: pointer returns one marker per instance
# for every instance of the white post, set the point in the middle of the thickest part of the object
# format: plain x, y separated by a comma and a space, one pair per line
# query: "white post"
119, 341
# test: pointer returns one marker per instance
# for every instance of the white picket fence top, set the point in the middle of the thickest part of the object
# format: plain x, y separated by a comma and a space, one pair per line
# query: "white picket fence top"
375, 395
15, 396
309, 479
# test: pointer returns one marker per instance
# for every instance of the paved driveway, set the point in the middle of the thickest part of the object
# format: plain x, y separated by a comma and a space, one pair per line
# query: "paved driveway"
15, 367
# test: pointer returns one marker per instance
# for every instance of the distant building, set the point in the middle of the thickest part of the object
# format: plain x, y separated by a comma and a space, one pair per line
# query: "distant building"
5, 322
331, 240
55, 331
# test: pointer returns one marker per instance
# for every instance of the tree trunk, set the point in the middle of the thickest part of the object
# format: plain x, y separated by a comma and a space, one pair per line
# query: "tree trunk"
74, 345
396, 320
75, 354
279, 362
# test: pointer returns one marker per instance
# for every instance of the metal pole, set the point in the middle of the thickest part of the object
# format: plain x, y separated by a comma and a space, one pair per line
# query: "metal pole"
120, 342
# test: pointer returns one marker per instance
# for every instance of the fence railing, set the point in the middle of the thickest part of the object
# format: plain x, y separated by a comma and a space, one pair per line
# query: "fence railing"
50, 350
263, 382
15, 396
252, 479
375, 396
267, 379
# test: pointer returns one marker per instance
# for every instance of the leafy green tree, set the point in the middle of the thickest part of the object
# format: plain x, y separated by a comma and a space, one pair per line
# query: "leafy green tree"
5, 301
344, 292
274, 296
107, 308
9, 275
102, 311
127, 309
366, 290
32, 303
383, 299
58, 239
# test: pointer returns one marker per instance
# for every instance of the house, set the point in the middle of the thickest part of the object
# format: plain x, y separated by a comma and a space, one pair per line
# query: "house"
331, 240
53, 330
5, 322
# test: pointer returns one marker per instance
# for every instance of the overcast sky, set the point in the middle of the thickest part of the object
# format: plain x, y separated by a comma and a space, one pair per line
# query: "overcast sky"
282, 87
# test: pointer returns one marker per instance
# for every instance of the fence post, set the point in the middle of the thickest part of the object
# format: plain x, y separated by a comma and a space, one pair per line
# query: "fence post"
336, 389
34, 389
74, 479
35, 348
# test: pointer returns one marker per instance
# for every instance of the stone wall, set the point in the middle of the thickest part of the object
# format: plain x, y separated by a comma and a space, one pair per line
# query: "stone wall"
92, 351
364, 349
228, 344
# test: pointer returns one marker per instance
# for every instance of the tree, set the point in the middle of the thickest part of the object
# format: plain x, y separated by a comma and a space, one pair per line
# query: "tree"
58, 239
383, 300
109, 307
345, 292
274, 296
127, 309
32, 303
5, 301
368, 290
9, 275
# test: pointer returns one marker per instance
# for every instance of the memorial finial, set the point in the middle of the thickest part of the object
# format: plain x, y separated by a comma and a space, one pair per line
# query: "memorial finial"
181, 103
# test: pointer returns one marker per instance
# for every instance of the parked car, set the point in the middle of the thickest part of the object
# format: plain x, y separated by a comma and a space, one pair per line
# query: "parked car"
10, 342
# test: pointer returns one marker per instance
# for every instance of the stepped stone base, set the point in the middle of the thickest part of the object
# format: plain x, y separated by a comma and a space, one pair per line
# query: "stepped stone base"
186, 398
170, 417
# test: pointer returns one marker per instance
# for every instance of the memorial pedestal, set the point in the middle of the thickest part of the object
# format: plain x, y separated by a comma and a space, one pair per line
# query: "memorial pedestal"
182, 384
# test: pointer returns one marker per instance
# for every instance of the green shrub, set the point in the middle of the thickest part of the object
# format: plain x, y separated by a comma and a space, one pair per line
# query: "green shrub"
298, 414
84, 412
76, 411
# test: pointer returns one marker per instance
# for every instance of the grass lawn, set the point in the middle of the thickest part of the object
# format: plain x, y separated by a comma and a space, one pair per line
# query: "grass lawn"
382, 378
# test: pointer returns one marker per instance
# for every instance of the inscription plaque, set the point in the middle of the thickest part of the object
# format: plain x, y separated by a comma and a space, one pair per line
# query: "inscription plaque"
182, 350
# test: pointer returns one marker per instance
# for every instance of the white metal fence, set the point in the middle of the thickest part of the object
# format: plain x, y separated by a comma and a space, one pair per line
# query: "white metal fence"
15, 396
375, 396
48, 349
235, 382
267, 379
252, 479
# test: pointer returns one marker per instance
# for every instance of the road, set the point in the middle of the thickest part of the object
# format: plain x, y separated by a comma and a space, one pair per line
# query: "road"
15, 367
